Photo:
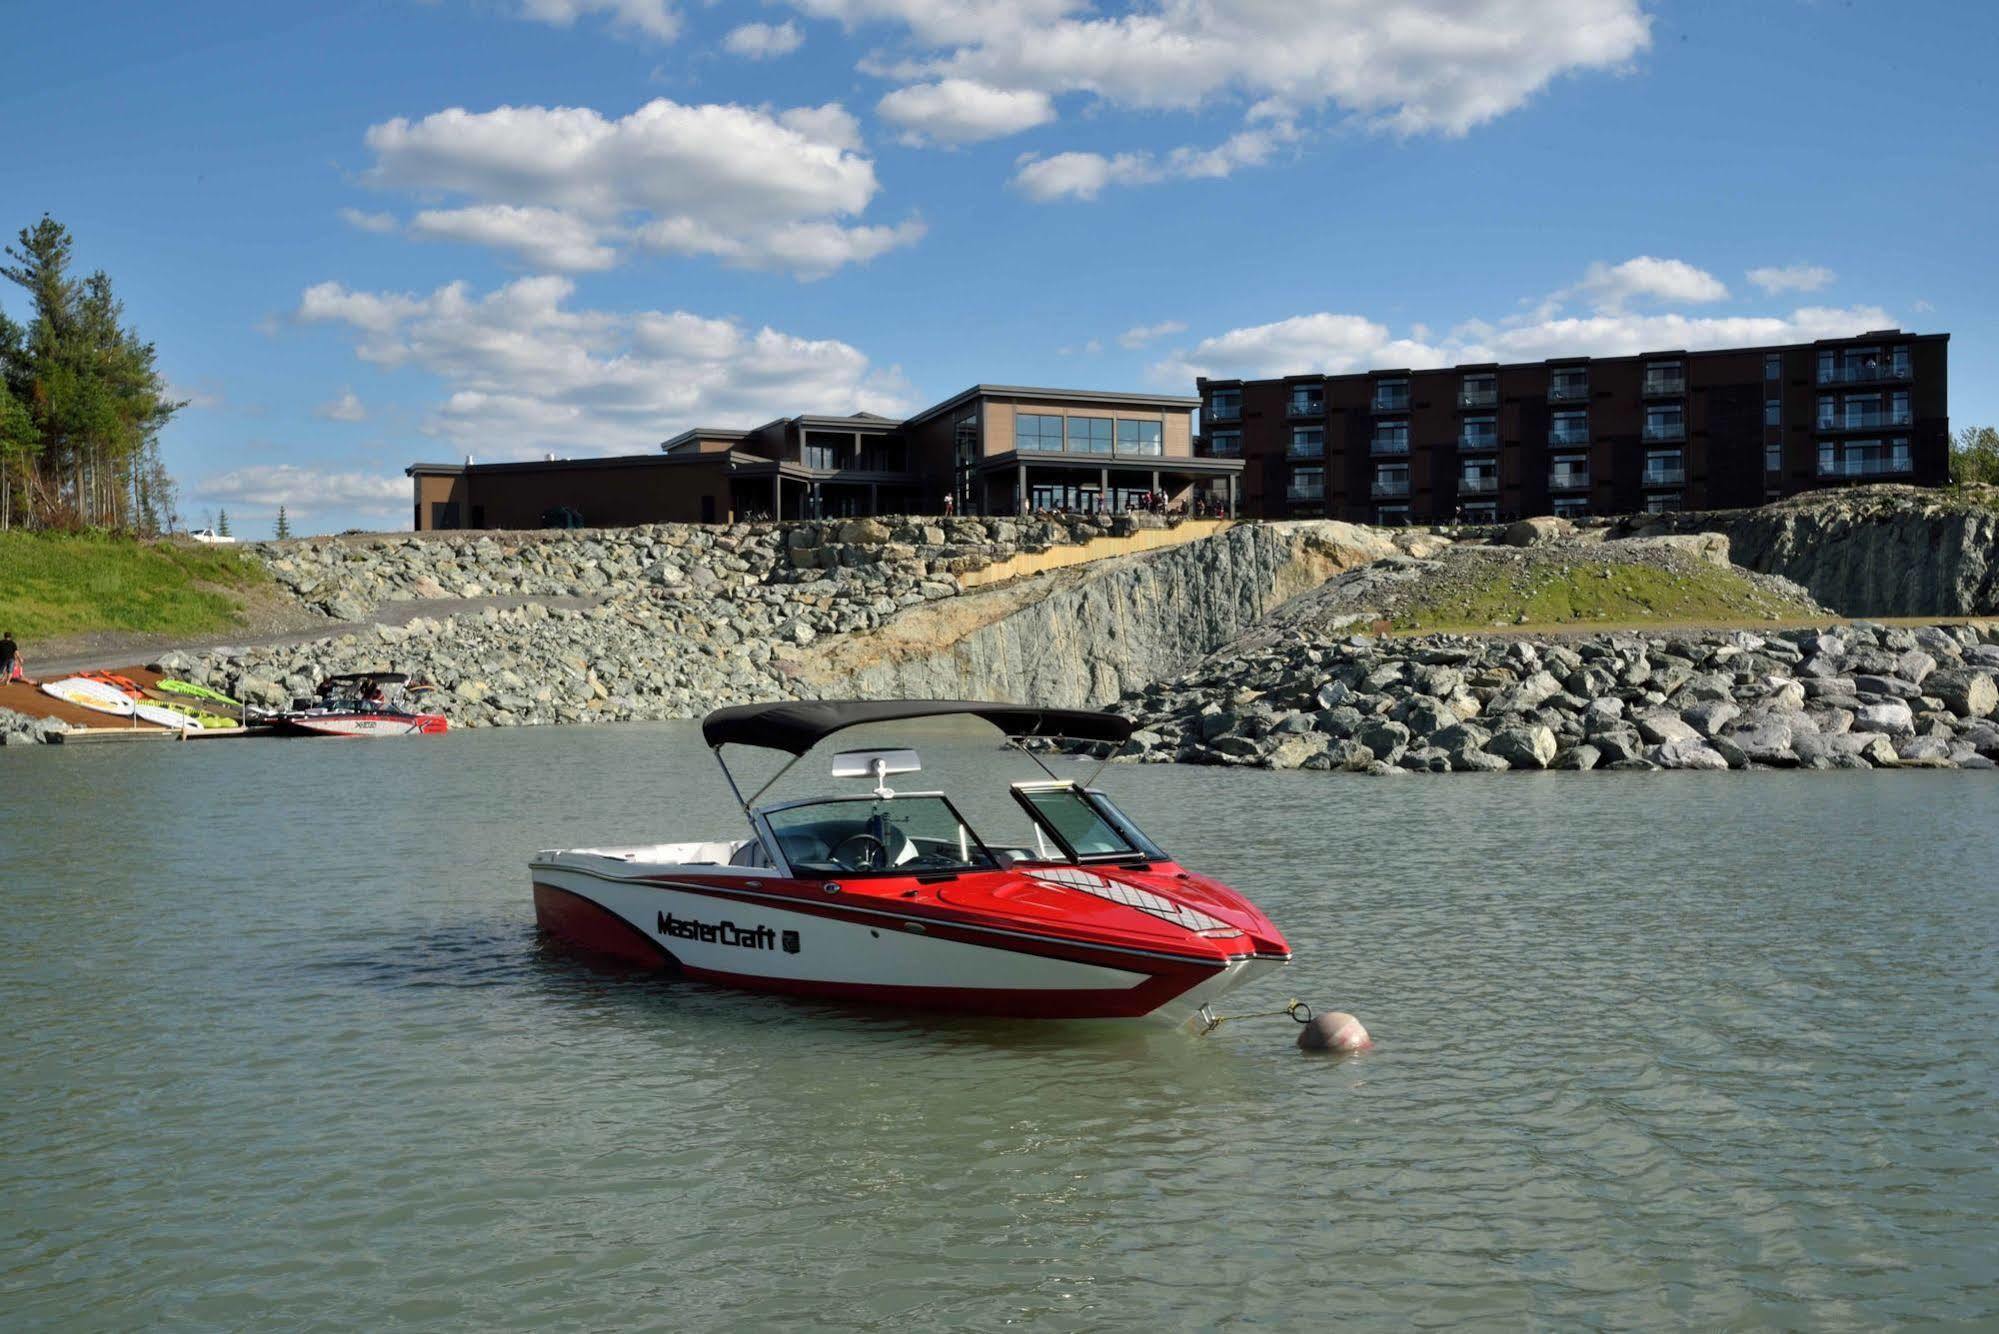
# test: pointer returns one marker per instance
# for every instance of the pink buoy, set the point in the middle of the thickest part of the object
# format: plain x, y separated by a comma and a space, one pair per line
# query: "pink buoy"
1337, 1032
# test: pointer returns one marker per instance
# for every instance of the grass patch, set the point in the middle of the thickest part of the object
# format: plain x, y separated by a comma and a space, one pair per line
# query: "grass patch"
54, 584
1590, 593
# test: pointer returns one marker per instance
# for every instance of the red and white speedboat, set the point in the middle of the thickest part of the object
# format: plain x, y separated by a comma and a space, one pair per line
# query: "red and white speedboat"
359, 704
892, 897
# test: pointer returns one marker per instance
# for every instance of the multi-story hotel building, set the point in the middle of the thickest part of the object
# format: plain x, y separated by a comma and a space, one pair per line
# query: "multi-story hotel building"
993, 449
1587, 435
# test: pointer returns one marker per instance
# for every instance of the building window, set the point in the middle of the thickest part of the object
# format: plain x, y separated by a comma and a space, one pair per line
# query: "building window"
1569, 474
1306, 484
1571, 507
1225, 444
1828, 412
1486, 511
1393, 516
1307, 442
1664, 503
823, 451
1898, 408
1307, 400
1665, 467
1139, 438
1478, 477
1090, 435
1665, 377
1666, 423
1478, 391
1391, 479
1478, 433
1773, 412
1864, 458
1391, 396
1224, 404
1859, 364
1566, 386
1390, 438
1033, 431
1773, 458
1773, 366
1569, 428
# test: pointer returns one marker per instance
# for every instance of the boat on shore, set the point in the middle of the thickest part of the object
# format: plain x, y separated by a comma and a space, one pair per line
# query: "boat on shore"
894, 898
359, 704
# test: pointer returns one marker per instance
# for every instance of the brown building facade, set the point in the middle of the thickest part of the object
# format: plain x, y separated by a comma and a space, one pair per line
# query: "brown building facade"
994, 449
1603, 435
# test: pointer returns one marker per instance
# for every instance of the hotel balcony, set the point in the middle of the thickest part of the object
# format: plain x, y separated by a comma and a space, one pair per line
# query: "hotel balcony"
1665, 477
1864, 372
1389, 488
1305, 407
1224, 412
1385, 445
1568, 481
1863, 421
1568, 393
1296, 492
1478, 441
1478, 398
1568, 439
1894, 466
1665, 386
1665, 431
1392, 402
1476, 486
1222, 449
1304, 449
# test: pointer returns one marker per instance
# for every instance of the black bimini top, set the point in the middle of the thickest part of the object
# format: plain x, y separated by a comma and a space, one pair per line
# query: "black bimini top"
800, 726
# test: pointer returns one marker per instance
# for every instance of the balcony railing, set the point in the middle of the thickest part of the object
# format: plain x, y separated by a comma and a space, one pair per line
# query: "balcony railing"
1863, 421
1306, 407
1568, 439
1305, 449
1665, 477
1892, 466
1224, 412
1392, 402
1568, 481
1309, 492
1478, 398
1665, 430
1388, 487
1559, 392
1660, 386
1862, 372
1223, 449
1478, 440
1388, 445
1477, 485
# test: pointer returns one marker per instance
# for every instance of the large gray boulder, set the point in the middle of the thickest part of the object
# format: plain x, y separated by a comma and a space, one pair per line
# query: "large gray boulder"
1531, 747
1537, 532
1965, 691
1686, 754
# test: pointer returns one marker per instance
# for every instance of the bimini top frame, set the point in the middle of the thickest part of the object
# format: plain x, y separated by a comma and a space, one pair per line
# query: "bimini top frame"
797, 727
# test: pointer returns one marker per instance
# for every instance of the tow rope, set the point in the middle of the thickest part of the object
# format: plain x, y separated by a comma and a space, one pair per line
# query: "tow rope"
1210, 1021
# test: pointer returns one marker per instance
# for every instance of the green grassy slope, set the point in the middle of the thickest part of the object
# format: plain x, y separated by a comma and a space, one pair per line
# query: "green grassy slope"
55, 584
1589, 594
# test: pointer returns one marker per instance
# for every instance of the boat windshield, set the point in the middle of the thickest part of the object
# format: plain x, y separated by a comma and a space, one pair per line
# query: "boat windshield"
1086, 824
902, 835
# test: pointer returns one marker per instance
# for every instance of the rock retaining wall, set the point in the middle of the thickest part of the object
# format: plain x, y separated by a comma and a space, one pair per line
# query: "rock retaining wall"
1857, 696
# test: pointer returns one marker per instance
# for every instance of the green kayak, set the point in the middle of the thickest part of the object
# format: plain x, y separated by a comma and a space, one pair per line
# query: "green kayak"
192, 691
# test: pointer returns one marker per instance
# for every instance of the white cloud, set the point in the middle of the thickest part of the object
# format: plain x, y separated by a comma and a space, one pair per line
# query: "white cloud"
1417, 66
653, 19
1610, 286
807, 249
346, 408
544, 238
305, 491
1791, 278
524, 372
565, 186
379, 223
1339, 343
1141, 334
763, 41
1084, 175
201, 398
963, 111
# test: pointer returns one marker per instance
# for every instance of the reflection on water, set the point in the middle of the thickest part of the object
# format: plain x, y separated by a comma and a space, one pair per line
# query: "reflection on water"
285, 1051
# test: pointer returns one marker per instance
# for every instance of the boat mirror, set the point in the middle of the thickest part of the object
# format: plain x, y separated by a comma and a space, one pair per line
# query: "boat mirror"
875, 764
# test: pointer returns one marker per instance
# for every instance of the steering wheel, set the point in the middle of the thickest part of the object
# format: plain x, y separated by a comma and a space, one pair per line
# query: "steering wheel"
869, 853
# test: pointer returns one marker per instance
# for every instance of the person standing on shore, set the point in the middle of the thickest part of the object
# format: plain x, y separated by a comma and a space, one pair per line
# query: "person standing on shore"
10, 658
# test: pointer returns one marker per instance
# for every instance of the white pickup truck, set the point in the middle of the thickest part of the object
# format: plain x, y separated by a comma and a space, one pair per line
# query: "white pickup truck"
210, 535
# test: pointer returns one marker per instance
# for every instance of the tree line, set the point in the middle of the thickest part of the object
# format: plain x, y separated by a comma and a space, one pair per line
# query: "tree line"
81, 401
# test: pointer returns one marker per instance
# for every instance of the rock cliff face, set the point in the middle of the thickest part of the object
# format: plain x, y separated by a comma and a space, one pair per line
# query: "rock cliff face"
1085, 636
1877, 550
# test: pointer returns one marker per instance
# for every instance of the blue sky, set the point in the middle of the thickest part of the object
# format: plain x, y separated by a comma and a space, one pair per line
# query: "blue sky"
364, 234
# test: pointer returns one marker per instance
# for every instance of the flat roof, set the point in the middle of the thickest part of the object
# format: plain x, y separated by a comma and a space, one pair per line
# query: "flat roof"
702, 433
591, 461
1100, 396
1480, 367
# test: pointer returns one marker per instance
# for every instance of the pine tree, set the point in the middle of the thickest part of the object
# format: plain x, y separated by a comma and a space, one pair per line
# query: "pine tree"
222, 523
284, 529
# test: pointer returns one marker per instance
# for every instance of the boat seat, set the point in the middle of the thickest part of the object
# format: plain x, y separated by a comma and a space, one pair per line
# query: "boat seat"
750, 853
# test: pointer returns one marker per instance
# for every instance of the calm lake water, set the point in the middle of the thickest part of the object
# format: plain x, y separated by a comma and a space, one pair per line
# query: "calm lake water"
282, 1051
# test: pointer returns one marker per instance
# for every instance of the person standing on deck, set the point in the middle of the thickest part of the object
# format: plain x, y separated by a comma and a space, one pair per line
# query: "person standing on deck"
10, 658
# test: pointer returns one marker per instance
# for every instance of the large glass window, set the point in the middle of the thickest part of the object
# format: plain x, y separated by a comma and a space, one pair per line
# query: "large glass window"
1569, 474
823, 450
1478, 476
1773, 412
1898, 408
1478, 433
1090, 435
1569, 428
1664, 467
1307, 400
1666, 423
1568, 385
1225, 444
1773, 458
1391, 479
1391, 396
1225, 404
1391, 438
1773, 366
1478, 391
874, 835
1306, 484
1140, 438
1037, 432
1665, 377
1307, 442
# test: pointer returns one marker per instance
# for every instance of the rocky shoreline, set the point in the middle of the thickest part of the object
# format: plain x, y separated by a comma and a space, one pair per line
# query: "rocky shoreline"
1850, 697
